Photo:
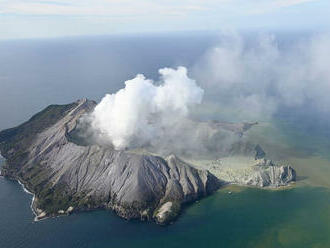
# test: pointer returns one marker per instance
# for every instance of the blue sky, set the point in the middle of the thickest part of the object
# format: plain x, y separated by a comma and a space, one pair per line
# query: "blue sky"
56, 18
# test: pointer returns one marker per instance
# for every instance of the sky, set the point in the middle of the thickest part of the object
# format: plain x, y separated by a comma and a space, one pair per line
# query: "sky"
58, 18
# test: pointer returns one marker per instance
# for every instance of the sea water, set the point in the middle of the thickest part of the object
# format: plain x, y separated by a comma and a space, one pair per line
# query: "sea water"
248, 217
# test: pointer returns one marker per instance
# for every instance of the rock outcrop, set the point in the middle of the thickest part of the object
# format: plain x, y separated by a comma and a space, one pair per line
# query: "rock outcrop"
263, 174
167, 212
251, 169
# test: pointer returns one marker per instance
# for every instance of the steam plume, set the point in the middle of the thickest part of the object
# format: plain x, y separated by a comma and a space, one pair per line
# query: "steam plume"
253, 80
263, 76
143, 110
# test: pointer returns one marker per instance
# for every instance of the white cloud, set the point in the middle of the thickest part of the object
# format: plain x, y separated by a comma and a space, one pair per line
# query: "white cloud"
133, 7
273, 5
142, 111
55, 18
286, 3
259, 77
101, 7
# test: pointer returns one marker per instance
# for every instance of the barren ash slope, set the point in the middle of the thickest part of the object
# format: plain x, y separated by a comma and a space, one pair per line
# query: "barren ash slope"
66, 176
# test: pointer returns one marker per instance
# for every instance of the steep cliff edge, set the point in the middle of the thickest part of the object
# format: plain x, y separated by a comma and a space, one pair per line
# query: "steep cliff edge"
67, 177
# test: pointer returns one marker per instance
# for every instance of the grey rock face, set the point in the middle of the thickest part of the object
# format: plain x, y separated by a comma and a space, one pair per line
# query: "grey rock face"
247, 170
268, 173
167, 212
63, 174
265, 172
270, 176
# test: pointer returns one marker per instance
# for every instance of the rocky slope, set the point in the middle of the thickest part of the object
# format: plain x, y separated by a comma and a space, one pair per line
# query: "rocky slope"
261, 172
66, 176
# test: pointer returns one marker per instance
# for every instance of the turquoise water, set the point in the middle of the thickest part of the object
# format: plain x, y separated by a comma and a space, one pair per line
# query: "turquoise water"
296, 217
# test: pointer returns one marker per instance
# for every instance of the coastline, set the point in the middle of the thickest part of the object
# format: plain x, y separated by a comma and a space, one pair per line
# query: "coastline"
32, 201
43, 215
36, 216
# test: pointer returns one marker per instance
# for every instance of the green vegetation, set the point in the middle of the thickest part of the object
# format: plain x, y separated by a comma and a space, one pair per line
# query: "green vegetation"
14, 143
53, 199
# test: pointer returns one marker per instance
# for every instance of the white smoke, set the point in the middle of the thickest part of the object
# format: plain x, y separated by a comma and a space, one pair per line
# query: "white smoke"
141, 112
260, 76
250, 80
